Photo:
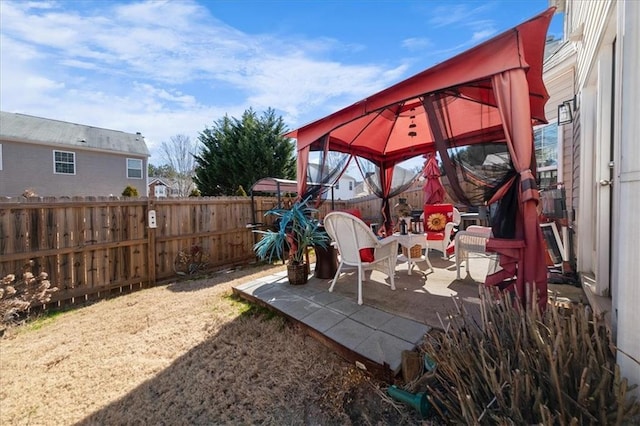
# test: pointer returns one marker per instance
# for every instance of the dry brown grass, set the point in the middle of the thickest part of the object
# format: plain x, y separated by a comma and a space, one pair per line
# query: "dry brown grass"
526, 367
182, 353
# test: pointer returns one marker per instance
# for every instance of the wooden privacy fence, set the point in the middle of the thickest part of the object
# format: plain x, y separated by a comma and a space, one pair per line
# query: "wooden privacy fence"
93, 247
88, 247
370, 205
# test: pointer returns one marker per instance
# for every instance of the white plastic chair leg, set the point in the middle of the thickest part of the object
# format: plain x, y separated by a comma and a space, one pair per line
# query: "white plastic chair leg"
335, 278
360, 273
392, 274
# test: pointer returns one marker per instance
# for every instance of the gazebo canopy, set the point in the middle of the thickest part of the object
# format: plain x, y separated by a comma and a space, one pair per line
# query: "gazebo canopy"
492, 93
377, 127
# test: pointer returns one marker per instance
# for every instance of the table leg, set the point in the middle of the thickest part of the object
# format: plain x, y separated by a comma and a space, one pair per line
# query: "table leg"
411, 261
426, 258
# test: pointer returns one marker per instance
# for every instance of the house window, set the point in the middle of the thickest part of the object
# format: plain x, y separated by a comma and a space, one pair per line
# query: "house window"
546, 144
160, 191
0, 156
134, 168
64, 163
350, 186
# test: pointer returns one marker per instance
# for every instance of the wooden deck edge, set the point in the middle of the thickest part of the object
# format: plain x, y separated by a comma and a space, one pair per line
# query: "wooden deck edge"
379, 371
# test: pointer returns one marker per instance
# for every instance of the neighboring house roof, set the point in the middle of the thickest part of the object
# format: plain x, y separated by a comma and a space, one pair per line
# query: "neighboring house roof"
361, 189
274, 185
499, 158
163, 181
551, 46
562, 52
26, 128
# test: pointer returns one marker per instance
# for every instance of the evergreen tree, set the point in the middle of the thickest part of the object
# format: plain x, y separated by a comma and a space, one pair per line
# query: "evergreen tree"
240, 152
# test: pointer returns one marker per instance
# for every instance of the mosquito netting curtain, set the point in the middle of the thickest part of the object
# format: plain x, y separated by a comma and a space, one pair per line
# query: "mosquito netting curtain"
325, 167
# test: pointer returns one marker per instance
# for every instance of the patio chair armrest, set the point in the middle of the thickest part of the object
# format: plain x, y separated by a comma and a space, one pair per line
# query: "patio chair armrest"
448, 229
471, 242
386, 247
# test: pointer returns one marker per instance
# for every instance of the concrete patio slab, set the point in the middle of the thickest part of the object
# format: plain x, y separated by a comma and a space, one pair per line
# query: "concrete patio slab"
325, 298
323, 319
345, 306
405, 329
296, 307
371, 317
384, 348
349, 333
375, 334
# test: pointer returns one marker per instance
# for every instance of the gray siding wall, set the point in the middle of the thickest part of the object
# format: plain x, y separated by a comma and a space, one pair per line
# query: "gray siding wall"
30, 166
575, 170
562, 89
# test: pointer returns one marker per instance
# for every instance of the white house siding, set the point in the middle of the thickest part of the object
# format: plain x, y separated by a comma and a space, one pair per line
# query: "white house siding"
97, 173
591, 26
587, 20
626, 232
343, 192
609, 121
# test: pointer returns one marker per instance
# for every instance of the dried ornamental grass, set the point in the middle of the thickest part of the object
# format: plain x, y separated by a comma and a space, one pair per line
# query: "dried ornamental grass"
18, 295
526, 368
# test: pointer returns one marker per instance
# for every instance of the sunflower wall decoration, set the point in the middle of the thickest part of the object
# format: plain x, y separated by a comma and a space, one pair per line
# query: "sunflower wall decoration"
436, 222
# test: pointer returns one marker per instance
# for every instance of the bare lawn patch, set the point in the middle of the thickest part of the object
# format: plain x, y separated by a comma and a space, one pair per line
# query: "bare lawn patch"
182, 353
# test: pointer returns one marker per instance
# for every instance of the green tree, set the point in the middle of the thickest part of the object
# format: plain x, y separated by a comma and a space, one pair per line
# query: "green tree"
240, 152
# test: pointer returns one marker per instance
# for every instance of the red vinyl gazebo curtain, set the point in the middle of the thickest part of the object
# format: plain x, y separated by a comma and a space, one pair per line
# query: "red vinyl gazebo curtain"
513, 104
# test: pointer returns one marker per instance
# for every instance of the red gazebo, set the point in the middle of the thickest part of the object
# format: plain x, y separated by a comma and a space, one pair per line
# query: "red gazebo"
492, 93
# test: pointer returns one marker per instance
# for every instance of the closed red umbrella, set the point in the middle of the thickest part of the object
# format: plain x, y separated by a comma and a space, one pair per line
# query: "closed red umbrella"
434, 192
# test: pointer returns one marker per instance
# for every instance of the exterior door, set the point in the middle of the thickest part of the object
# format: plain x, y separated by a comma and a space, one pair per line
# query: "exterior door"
604, 170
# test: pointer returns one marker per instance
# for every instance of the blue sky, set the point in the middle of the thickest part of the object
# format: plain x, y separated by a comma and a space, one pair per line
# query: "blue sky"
175, 67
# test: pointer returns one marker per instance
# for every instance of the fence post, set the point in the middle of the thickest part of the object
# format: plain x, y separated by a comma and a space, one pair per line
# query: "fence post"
151, 241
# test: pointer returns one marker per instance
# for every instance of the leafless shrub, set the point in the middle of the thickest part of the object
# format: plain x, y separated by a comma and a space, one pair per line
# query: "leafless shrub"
19, 295
519, 367
29, 192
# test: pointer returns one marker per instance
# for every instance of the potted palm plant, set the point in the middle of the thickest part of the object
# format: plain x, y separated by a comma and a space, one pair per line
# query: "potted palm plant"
295, 232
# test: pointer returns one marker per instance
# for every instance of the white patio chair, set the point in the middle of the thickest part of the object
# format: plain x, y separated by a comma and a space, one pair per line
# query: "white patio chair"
471, 240
351, 235
439, 239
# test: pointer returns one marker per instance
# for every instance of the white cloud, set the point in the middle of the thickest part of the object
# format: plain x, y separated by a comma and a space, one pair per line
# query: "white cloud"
462, 19
457, 14
417, 44
164, 68
482, 35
